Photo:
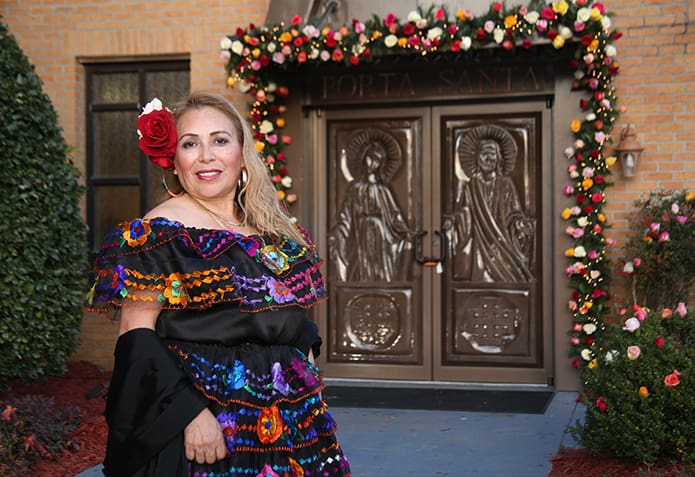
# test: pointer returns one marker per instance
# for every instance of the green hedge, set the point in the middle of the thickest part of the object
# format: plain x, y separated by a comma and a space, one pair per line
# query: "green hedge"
43, 253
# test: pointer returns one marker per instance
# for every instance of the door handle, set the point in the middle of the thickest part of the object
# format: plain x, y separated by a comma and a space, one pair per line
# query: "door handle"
429, 261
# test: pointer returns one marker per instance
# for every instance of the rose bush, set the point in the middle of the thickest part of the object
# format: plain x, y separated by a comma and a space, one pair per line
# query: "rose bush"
660, 263
640, 392
157, 133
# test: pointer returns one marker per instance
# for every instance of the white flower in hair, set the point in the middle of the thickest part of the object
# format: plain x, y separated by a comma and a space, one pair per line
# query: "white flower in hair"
154, 105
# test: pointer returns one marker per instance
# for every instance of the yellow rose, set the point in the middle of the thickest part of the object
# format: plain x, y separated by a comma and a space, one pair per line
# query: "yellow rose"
280, 123
593, 363
256, 52
587, 183
460, 15
286, 37
689, 196
596, 14
601, 217
260, 146
576, 125
509, 21
610, 160
643, 391
376, 35
569, 252
402, 42
566, 213
281, 194
558, 42
560, 7
230, 81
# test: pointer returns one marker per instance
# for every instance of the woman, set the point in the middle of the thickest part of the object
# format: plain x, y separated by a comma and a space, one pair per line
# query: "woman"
213, 371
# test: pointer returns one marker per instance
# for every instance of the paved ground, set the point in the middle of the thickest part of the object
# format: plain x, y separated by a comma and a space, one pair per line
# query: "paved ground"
396, 443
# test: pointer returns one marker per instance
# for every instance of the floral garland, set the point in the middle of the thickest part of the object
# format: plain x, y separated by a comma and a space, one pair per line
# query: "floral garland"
256, 57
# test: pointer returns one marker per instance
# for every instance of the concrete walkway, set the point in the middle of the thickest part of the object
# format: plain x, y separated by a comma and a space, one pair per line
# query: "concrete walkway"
400, 443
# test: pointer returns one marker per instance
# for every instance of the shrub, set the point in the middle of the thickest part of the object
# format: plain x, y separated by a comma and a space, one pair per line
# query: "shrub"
32, 427
42, 236
640, 392
660, 263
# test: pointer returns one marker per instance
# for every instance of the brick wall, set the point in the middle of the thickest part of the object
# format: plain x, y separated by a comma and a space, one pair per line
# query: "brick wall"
54, 33
656, 83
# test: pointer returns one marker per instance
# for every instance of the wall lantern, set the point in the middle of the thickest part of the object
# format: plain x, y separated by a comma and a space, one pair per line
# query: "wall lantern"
629, 150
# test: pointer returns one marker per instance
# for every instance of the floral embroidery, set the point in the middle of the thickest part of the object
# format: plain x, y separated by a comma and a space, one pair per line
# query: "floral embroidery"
135, 233
300, 367
267, 471
274, 259
249, 244
175, 291
278, 381
118, 279
236, 376
269, 425
279, 291
229, 428
295, 469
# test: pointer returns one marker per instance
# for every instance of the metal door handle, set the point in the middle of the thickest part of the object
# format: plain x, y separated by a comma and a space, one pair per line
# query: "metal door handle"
429, 261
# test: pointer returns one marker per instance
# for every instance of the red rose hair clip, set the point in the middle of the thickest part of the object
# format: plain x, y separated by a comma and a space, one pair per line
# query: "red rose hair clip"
157, 133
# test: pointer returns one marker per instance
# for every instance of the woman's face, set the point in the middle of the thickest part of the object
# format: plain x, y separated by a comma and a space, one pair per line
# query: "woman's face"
209, 155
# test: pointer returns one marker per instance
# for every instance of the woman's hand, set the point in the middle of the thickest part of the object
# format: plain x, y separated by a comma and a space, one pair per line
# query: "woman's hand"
203, 439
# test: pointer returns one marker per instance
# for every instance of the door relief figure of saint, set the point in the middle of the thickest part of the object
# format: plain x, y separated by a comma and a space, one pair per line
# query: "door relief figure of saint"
493, 238
369, 239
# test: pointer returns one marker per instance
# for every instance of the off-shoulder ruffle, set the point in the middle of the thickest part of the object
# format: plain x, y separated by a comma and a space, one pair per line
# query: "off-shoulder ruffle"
177, 267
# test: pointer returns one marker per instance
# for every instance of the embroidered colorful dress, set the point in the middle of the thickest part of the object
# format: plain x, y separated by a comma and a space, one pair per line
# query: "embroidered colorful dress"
234, 325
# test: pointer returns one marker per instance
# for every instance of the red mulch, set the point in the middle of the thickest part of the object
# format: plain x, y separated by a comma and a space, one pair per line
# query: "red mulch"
87, 443
89, 440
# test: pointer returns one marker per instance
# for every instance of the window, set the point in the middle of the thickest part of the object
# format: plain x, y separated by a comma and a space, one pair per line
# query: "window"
121, 184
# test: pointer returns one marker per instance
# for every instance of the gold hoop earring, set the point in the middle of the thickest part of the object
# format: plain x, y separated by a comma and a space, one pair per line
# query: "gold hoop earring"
166, 188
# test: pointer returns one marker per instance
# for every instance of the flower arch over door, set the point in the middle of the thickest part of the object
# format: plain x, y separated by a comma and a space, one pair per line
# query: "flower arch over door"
257, 57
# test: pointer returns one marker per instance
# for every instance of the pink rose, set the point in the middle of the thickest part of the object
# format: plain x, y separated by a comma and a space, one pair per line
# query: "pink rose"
681, 309
633, 352
672, 379
157, 130
601, 404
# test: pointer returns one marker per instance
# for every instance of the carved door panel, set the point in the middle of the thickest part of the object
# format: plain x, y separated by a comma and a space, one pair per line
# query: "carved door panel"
470, 177
376, 194
492, 325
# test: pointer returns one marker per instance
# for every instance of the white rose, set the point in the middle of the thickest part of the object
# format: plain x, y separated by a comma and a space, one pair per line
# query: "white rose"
390, 41
466, 43
631, 324
582, 221
629, 267
272, 86
611, 355
565, 32
225, 43
272, 46
532, 17
434, 33
586, 354
580, 252
286, 182
584, 14
266, 127
606, 22
414, 16
594, 274
579, 74
237, 47
611, 51
243, 86
498, 34
590, 117
314, 53
589, 328
421, 23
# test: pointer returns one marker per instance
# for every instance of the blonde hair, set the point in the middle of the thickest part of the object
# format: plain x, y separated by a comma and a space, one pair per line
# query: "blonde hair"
258, 201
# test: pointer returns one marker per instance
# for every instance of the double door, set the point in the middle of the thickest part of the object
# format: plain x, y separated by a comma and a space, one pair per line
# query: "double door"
435, 242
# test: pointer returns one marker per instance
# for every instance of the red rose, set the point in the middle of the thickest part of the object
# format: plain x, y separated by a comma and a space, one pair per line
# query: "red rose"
157, 130
659, 341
